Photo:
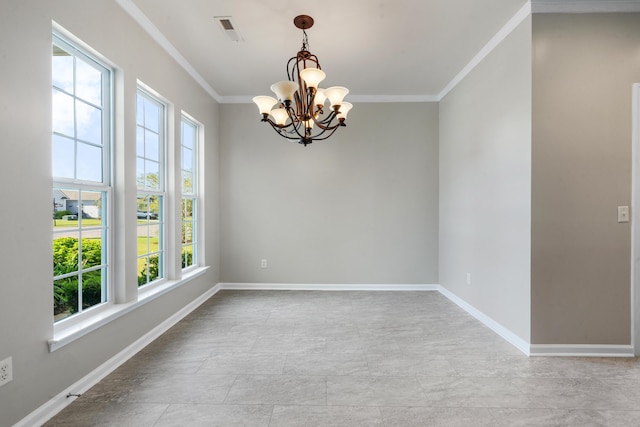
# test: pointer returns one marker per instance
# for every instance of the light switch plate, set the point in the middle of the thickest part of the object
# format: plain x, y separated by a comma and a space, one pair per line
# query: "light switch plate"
623, 213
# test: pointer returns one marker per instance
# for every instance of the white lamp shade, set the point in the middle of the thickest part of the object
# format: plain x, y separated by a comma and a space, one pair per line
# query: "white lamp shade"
336, 94
312, 76
264, 103
284, 90
345, 107
320, 97
308, 124
279, 115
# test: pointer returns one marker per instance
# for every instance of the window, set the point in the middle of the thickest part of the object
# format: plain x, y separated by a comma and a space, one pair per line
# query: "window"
150, 175
189, 155
81, 123
84, 194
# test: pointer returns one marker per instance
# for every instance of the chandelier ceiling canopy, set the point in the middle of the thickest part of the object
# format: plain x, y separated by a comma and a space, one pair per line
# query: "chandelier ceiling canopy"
298, 111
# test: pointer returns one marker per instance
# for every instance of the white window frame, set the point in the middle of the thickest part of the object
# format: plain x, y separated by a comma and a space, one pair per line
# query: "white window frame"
77, 49
194, 195
161, 193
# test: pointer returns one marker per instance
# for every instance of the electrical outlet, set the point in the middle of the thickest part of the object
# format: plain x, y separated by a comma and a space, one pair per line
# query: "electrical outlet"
468, 278
263, 263
6, 371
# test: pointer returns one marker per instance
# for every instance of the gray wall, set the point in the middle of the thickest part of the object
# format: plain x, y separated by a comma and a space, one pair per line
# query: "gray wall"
584, 66
26, 314
358, 208
485, 184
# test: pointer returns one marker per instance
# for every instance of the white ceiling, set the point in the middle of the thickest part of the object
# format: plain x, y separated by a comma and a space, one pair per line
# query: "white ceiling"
376, 48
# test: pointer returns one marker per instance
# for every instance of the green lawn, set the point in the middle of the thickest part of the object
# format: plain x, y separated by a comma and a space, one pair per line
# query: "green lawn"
86, 222
142, 248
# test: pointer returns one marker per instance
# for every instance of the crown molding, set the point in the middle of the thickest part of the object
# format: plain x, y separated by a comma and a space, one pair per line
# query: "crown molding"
159, 38
393, 98
498, 38
585, 6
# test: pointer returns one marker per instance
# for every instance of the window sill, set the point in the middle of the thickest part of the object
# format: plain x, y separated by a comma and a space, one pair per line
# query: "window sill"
82, 328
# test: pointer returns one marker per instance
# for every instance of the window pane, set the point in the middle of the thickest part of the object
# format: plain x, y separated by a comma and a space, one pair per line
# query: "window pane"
89, 162
187, 232
187, 256
140, 171
143, 240
152, 145
65, 219
149, 208
65, 253
155, 207
187, 208
92, 202
65, 297
140, 110
89, 122
188, 135
187, 159
88, 83
62, 113
187, 182
63, 157
62, 69
151, 116
152, 177
140, 141
92, 288
91, 251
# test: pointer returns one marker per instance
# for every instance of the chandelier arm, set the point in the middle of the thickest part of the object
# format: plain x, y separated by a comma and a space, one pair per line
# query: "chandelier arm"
295, 122
326, 122
280, 131
291, 68
331, 132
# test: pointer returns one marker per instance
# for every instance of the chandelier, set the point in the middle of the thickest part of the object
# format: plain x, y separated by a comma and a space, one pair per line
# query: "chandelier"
299, 112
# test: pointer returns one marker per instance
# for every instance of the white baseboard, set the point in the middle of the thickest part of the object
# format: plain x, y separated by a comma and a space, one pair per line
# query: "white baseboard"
325, 287
581, 350
61, 400
496, 327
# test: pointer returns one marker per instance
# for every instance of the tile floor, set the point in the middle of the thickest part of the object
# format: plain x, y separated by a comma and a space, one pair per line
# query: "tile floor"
289, 358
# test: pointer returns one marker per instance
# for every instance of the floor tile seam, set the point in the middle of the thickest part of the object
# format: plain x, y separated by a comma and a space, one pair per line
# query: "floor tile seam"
155, 423
273, 409
202, 364
226, 396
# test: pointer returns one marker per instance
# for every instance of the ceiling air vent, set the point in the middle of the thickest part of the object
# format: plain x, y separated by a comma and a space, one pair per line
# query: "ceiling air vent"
228, 28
